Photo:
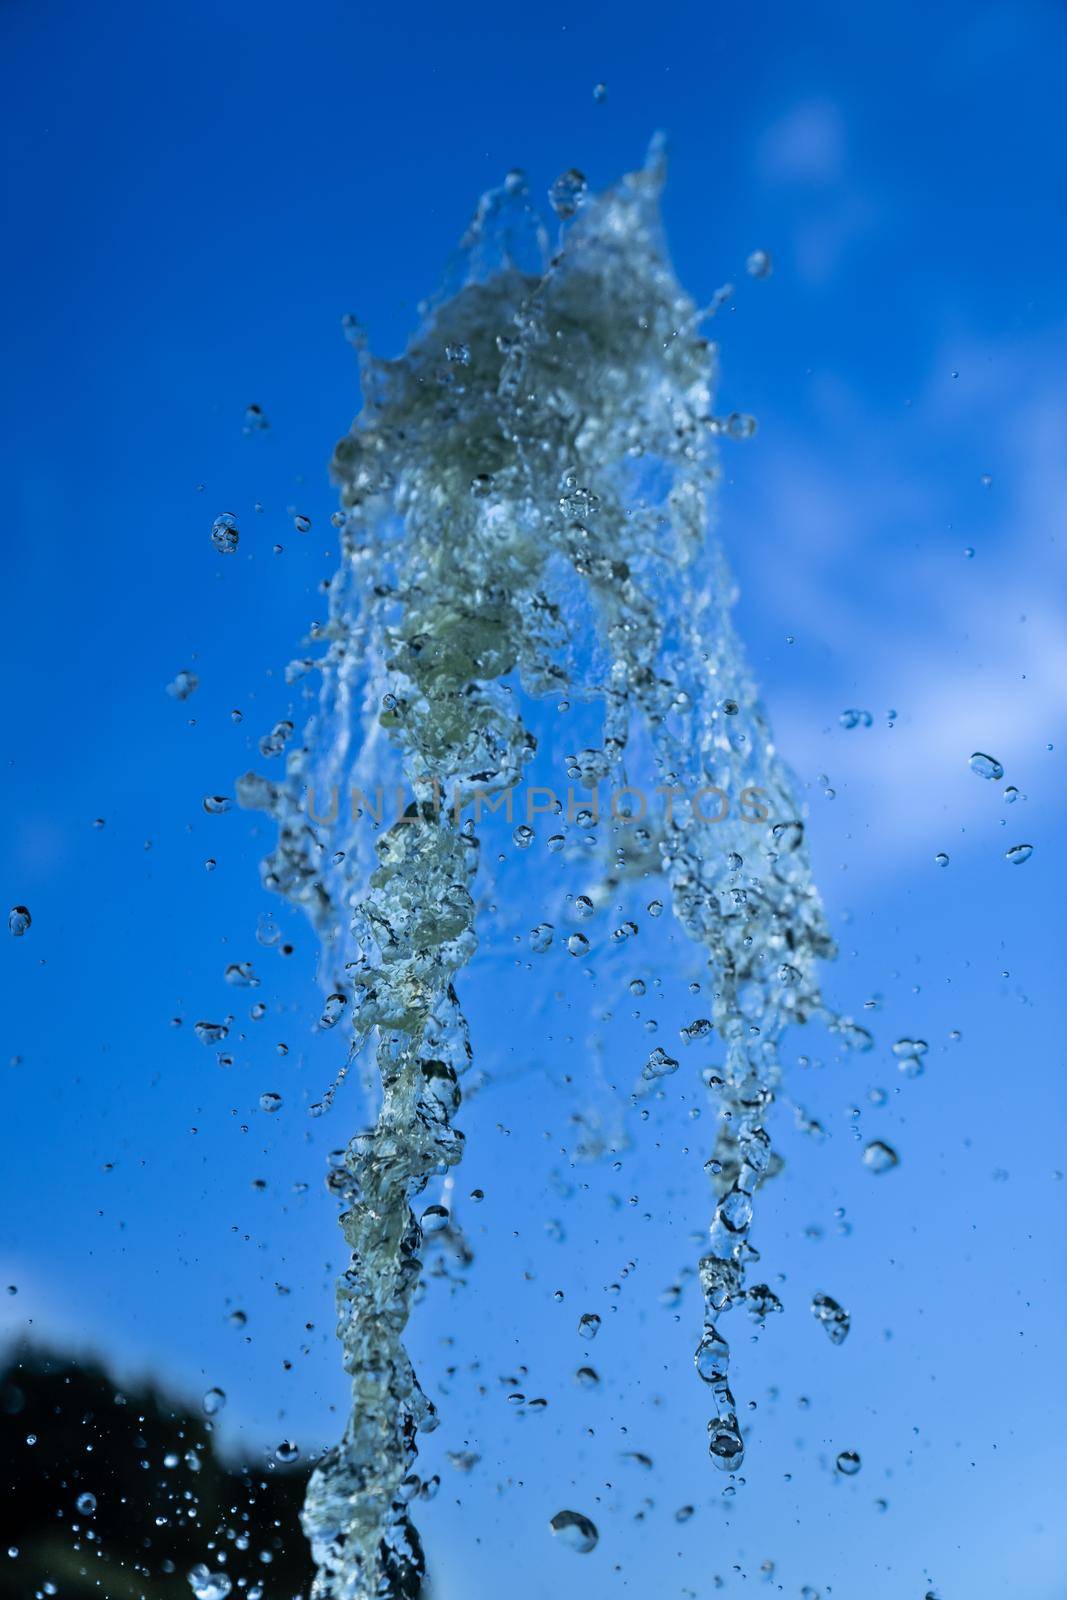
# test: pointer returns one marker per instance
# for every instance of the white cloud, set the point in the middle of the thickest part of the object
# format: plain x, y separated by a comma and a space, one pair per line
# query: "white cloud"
972, 654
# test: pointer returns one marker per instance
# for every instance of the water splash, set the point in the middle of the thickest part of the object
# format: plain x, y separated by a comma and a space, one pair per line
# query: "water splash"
526, 510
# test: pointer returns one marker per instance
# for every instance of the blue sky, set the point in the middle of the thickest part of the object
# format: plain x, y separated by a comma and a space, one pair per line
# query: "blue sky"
196, 199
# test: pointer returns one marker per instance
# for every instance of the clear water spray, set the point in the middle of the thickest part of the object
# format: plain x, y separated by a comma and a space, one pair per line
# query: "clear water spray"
526, 512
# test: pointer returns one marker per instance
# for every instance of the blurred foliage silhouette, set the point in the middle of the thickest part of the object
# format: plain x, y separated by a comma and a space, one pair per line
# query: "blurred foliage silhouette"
165, 1499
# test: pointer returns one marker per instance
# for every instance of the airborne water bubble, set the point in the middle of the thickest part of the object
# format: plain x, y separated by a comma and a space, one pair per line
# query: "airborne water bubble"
333, 1010
832, 1318
879, 1157
224, 533
183, 685
659, 1065
576, 1531
568, 193
208, 1585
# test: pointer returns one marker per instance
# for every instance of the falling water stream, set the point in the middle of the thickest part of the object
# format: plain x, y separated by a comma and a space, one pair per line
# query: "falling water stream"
526, 516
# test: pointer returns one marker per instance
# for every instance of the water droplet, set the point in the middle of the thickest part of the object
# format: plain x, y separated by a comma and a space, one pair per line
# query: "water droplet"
208, 1585
725, 1445
854, 718
600, 92
833, 1318
759, 264
211, 1032
568, 193
183, 685
1011, 794
240, 974
224, 534
523, 836
86, 1504
787, 836
941, 858
577, 944
287, 1451
19, 921
541, 937
270, 1101
740, 425
1018, 854
587, 1377
213, 1402
588, 1325
735, 1211
333, 1011
848, 1462
216, 805
712, 1357
659, 1065
301, 523
879, 1157
575, 1531
274, 742
984, 766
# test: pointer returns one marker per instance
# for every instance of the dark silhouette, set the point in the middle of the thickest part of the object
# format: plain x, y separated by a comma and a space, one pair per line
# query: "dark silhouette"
163, 1495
